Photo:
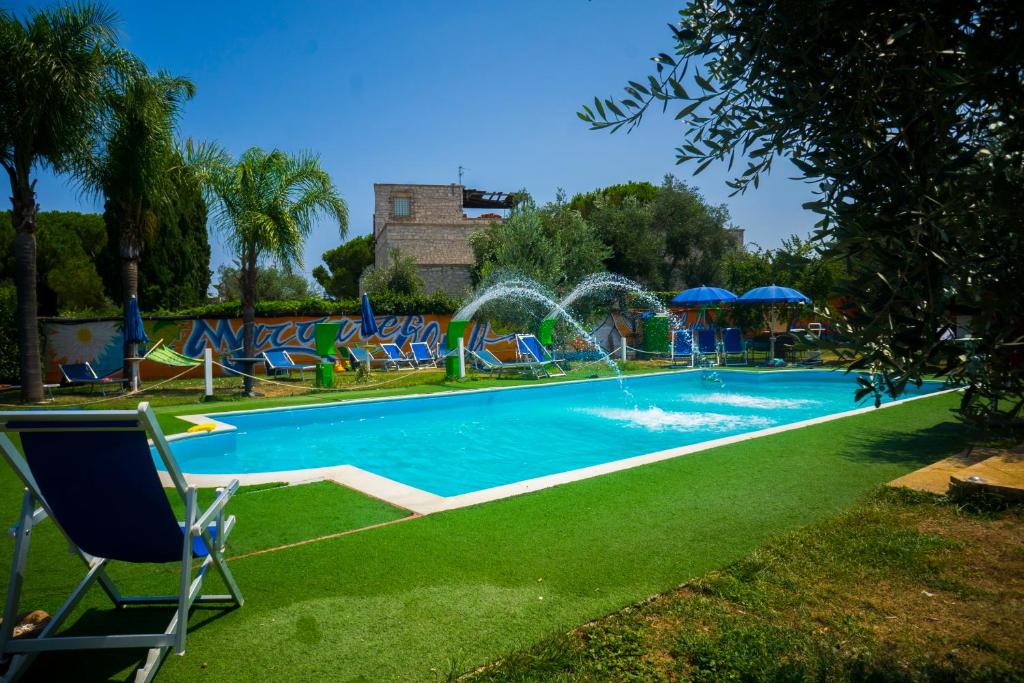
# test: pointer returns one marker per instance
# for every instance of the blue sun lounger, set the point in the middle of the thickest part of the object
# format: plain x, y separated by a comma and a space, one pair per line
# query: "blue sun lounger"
682, 347
82, 374
277, 362
92, 473
529, 349
733, 345
486, 361
423, 355
396, 357
707, 344
361, 356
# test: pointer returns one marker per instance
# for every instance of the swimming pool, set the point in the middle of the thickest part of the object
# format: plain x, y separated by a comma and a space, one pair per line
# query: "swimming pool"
463, 442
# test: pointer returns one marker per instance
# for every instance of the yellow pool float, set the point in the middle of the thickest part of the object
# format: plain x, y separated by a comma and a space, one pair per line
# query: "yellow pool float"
204, 427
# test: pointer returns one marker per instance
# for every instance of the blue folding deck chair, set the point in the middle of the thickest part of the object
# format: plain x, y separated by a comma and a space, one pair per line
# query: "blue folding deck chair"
733, 345
486, 361
93, 474
277, 362
83, 374
682, 347
396, 357
707, 344
361, 356
529, 349
423, 355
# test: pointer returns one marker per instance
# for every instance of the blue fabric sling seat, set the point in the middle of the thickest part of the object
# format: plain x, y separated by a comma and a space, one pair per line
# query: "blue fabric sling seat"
277, 362
422, 354
733, 345
706, 342
530, 349
93, 473
488, 362
395, 356
91, 501
682, 343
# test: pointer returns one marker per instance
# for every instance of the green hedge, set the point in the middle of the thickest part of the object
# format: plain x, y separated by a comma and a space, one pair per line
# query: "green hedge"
10, 367
384, 304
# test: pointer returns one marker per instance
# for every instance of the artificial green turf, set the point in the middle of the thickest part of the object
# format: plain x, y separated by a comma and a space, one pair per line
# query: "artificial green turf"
268, 517
417, 599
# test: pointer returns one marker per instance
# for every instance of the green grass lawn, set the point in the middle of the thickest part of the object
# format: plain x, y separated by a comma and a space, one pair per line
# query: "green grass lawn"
423, 598
902, 587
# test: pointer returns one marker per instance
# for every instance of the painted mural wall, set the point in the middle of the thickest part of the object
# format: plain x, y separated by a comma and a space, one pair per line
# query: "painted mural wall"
100, 342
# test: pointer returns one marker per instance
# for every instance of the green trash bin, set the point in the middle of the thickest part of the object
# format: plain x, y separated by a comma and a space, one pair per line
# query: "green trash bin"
325, 375
656, 334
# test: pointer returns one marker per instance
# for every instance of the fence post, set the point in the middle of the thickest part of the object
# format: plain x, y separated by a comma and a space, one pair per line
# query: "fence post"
623, 355
462, 358
672, 347
208, 362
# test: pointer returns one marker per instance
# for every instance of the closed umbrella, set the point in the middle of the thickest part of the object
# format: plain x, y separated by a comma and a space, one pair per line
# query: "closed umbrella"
367, 323
134, 334
773, 295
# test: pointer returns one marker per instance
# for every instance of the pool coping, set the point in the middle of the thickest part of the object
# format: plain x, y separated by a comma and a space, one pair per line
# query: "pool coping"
423, 502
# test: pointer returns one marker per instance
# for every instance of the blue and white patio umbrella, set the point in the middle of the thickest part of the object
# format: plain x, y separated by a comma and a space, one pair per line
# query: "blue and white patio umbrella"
367, 323
773, 295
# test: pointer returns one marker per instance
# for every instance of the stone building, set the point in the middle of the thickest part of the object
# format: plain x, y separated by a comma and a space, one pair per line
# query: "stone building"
430, 224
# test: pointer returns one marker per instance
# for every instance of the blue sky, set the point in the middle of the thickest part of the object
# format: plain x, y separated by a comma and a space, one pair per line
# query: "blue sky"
409, 91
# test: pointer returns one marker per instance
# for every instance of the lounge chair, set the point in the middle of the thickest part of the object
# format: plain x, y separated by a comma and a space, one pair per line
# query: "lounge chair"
485, 361
277, 362
707, 344
682, 347
423, 355
359, 356
529, 349
93, 474
396, 357
733, 345
82, 374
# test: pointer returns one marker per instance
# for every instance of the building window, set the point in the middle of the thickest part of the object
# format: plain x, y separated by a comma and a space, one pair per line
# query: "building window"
401, 207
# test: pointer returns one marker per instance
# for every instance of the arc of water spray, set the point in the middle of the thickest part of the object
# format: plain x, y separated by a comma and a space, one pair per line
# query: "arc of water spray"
519, 288
593, 283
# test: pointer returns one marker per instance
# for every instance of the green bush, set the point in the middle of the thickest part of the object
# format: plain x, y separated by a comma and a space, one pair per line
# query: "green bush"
10, 369
383, 304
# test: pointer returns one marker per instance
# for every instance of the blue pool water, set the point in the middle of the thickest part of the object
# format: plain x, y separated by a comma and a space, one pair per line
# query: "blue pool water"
454, 444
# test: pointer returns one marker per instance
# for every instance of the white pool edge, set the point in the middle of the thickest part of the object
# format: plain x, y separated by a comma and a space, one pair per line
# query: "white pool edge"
424, 503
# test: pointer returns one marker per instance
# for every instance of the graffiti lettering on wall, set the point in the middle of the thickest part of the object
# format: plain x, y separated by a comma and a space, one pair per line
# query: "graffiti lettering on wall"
100, 342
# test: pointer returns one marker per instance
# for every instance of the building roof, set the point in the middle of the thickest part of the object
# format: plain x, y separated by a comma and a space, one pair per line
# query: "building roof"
482, 199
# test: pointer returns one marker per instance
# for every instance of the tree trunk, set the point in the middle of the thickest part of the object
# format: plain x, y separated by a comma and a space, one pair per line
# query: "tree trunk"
129, 288
24, 218
248, 286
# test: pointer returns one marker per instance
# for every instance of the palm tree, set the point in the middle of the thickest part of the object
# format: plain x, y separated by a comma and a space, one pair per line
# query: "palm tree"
135, 163
54, 67
264, 205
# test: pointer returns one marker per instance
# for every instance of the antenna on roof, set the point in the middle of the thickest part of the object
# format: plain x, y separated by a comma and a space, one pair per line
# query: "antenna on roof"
462, 169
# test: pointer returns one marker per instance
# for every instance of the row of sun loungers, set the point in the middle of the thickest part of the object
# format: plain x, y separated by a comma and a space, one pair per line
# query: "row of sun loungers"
531, 357
421, 355
731, 350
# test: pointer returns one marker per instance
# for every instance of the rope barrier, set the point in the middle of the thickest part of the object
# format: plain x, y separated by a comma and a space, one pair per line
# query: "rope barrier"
127, 394
296, 388
303, 387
